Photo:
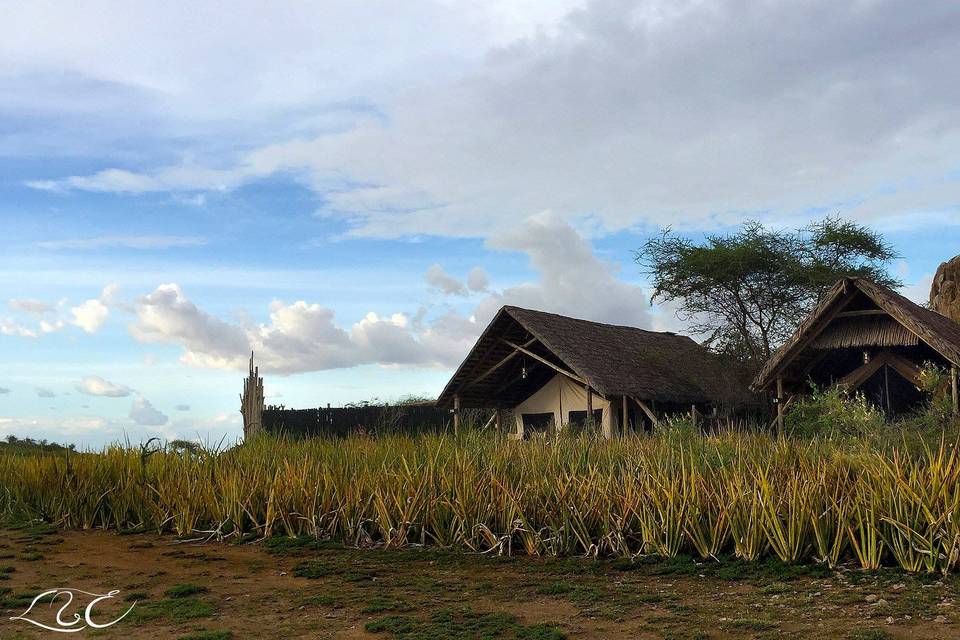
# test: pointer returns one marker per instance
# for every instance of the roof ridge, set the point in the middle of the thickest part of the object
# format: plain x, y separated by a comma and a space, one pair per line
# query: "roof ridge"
508, 307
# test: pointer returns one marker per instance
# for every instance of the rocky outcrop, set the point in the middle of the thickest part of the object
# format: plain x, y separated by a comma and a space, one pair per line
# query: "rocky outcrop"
945, 291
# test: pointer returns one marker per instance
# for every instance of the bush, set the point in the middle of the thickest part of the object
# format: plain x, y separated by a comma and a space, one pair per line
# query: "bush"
834, 413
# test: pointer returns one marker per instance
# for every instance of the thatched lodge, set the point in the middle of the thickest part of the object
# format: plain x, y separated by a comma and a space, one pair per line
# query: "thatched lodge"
867, 338
551, 372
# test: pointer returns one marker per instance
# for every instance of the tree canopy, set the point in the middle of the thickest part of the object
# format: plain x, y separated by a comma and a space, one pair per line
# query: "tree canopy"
745, 292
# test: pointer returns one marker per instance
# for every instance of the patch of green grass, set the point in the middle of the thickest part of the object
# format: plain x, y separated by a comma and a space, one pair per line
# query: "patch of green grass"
175, 609
752, 624
285, 545
185, 590
221, 634
136, 596
323, 599
315, 569
7, 569
10, 600
462, 624
870, 634
555, 588
381, 604
31, 556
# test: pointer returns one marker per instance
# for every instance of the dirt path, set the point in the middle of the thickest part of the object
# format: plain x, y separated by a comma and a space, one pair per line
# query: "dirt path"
301, 589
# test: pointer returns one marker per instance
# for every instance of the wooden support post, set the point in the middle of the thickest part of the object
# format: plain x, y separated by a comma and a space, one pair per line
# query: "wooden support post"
589, 419
954, 375
625, 425
780, 407
456, 414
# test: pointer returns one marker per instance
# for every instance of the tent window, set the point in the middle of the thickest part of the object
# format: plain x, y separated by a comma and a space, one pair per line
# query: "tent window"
536, 423
579, 418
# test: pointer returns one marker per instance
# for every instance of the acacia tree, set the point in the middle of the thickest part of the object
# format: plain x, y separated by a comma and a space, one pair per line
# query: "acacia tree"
746, 292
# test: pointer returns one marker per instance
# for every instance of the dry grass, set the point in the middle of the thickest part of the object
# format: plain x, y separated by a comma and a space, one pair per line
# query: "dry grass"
752, 495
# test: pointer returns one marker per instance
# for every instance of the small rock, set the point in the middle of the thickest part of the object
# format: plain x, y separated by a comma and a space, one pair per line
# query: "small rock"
890, 620
872, 597
879, 603
940, 619
283, 573
899, 586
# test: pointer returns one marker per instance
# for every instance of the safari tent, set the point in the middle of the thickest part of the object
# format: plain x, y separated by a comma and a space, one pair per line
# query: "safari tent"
546, 372
864, 337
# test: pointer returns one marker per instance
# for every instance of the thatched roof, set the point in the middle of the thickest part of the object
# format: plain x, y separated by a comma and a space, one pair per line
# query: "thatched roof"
613, 360
823, 327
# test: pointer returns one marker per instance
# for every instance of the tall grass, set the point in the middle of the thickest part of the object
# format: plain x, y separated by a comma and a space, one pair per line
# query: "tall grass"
801, 500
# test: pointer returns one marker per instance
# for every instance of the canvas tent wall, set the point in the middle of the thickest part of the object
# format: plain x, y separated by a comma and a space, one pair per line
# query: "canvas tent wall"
566, 402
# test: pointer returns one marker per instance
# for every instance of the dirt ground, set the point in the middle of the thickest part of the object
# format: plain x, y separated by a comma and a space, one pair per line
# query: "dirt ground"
287, 588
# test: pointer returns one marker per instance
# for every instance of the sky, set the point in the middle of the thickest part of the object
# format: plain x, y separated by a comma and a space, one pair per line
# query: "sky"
352, 189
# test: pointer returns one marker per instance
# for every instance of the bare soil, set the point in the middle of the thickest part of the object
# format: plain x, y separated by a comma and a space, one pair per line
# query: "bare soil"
286, 588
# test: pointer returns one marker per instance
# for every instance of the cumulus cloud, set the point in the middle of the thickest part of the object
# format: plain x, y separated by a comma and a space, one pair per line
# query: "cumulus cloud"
91, 314
647, 111
477, 280
302, 336
573, 281
44, 393
144, 414
97, 386
31, 306
440, 280
166, 315
10, 327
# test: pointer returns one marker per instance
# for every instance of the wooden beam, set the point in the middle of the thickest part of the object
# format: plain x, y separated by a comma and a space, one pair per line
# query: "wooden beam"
862, 312
954, 375
780, 407
539, 358
811, 333
648, 411
625, 424
456, 414
589, 419
502, 362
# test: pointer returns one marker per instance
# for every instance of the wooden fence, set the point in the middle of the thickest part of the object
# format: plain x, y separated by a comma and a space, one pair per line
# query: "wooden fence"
343, 421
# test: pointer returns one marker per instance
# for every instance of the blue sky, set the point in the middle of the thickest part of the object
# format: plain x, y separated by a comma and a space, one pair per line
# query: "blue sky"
352, 189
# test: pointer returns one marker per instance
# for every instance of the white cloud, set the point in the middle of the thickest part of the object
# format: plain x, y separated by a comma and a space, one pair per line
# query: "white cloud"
440, 280
648, 112
91, 314
144, 414
304, 336
31, 306
125, 242
166, 315
97, 386
9, 327
44, 393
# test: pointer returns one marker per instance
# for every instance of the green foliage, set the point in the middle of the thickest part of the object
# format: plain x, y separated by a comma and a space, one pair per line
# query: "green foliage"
462, 623
832, 413
185, 590
746, 292
175, 609
221, 634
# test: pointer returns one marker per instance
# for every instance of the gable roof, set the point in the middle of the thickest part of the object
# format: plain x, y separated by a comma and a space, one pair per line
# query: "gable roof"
939, 332
614, 360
